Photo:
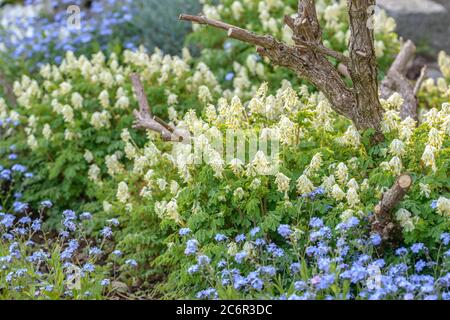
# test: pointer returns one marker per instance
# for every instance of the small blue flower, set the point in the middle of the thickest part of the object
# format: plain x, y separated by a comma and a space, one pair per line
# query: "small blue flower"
210, 293
88, 267
221, 264
64, 234
300, 285
19, 168
94, 251
316, 223
105, 282
260, 242
69, 225
284, 230
352, 222
228, 45
20, 207
324, 264
240, 256
316, 192
240, 238
113, 222
131, 262
117, 253
28, 175
69, 215
30, 243
433, 204
255, 231
203, 260
375, 239
239, 282
106, 232
401, 251
417, 247
325, 281
184, 231
445, 238
295, 267
193, 269
220, 237
268, 270
191, 247
46, 204
7, 220
24, 220
48, 288
408, 296
229, 76
257, 284
5, 174
420, 265
86, 216
445, 281
38, 256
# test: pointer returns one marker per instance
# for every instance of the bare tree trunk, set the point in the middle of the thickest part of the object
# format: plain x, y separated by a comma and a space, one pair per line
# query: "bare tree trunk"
368, 112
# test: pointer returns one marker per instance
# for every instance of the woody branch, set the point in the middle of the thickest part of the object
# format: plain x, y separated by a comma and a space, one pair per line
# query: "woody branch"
144, 119
309, 58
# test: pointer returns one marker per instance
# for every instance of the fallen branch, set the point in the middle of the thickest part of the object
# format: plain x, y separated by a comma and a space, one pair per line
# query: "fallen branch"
396, 81
144, 119
383, 222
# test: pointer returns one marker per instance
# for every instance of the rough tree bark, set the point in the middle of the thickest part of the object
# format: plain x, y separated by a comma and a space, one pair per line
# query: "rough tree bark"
309, 58
383, 222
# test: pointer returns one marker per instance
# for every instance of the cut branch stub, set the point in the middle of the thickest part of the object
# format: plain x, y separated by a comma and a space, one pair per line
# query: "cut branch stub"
144, 119
383, 222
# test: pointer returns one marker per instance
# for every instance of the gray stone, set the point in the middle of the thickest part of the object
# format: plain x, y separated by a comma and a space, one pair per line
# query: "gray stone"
445, 3
425, 22
433, 71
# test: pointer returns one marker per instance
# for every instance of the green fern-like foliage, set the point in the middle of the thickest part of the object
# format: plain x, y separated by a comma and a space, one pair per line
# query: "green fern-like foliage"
74, 116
